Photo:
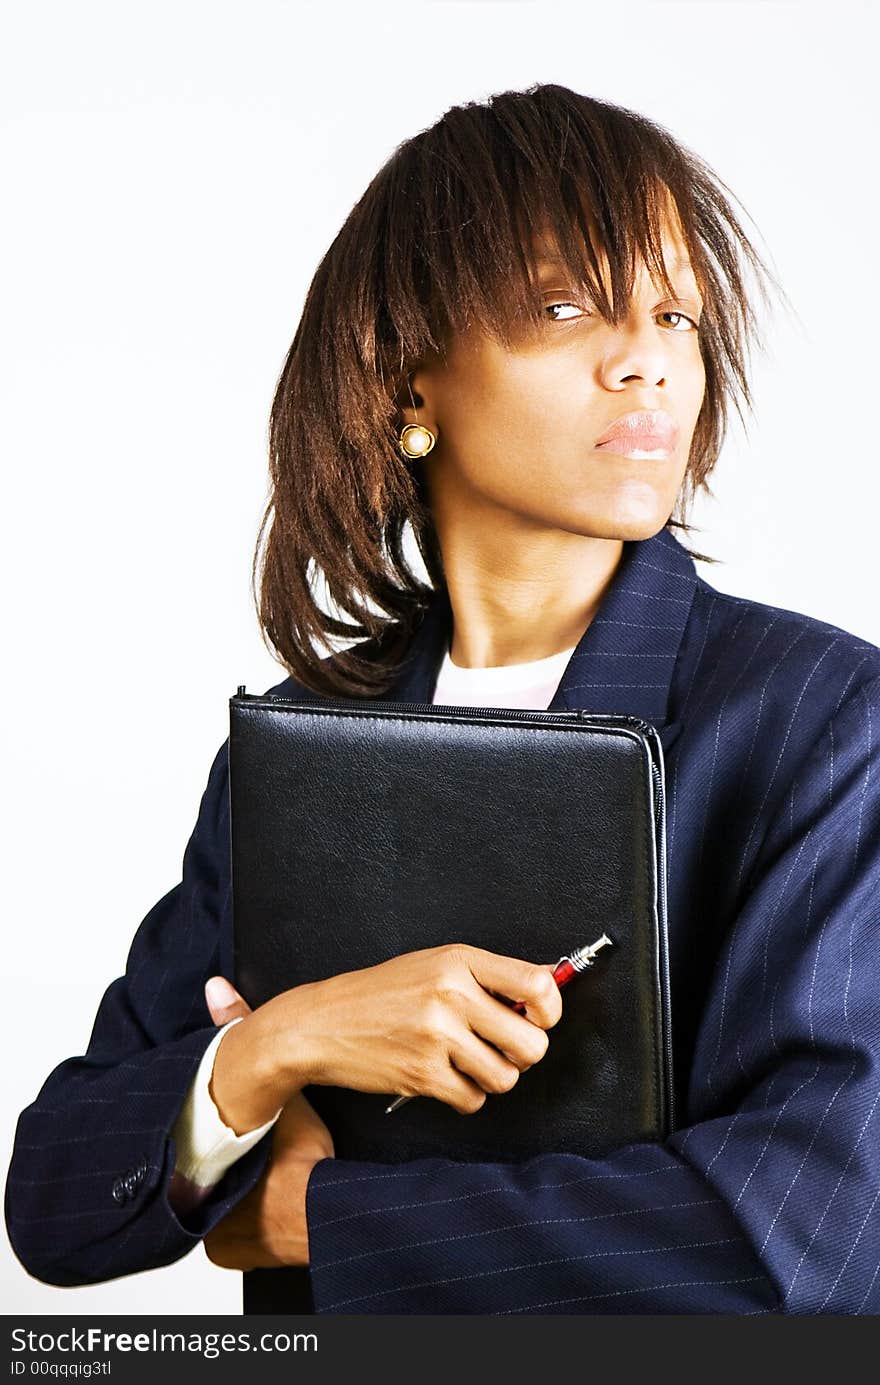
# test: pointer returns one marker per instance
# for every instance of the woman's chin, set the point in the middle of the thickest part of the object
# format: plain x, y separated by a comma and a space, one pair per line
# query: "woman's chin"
634, 517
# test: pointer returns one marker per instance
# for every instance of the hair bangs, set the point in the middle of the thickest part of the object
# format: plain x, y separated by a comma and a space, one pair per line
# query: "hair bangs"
494, 187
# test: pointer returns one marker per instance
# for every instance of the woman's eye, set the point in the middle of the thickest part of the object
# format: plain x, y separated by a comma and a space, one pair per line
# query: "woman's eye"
683, 323
566, 317
565, 310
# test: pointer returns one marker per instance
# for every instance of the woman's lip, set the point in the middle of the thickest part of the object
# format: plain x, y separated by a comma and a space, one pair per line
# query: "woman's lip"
647, 431
647, 446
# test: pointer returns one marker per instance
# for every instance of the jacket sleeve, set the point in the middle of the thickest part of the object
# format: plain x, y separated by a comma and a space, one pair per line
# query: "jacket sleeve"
767, 1201
93, 1157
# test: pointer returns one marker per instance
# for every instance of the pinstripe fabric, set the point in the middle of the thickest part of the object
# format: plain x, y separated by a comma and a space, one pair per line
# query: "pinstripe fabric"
766, 1199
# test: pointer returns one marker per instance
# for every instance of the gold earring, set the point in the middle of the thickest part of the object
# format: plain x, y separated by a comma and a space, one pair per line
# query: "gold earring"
416, 441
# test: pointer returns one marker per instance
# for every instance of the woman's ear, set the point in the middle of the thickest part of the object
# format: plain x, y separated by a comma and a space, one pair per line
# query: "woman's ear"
413, 399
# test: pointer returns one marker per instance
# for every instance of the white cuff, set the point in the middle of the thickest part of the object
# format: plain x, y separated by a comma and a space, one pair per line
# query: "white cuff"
205, 1146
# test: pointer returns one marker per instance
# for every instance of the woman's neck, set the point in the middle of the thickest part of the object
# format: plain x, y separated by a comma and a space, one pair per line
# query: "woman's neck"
516, 613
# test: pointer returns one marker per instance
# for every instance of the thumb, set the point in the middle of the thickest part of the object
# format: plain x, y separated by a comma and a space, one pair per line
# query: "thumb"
224, 1001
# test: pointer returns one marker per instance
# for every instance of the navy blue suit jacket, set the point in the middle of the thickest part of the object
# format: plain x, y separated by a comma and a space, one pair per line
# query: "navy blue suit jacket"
767, 1196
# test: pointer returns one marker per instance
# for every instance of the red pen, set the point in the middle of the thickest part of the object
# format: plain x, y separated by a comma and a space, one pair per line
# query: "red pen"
566, 968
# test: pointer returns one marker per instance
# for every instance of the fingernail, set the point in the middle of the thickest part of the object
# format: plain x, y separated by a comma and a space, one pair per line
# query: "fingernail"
219, 993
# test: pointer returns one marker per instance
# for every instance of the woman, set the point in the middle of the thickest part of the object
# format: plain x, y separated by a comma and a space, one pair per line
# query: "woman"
524, 342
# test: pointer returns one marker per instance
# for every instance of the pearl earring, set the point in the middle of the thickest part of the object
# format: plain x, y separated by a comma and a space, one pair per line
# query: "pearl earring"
416, 441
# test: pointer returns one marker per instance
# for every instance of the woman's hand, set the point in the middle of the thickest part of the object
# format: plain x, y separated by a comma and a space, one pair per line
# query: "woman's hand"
268, 1228
427, 1023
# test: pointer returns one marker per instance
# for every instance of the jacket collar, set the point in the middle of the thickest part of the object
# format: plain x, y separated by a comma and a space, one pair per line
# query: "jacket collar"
625, 659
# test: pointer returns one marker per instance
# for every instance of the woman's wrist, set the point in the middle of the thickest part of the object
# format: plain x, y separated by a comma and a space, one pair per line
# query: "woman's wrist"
287, 1040
259, 1064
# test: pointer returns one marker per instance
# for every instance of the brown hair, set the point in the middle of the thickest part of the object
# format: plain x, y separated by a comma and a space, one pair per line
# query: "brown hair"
442, 239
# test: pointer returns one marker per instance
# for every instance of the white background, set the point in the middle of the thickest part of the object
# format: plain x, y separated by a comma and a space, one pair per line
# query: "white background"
171, 174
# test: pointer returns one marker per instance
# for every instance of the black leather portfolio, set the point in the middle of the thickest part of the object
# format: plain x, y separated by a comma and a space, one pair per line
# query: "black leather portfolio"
365, 829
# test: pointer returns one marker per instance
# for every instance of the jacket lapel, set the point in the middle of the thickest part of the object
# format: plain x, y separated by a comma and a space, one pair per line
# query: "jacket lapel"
625, 659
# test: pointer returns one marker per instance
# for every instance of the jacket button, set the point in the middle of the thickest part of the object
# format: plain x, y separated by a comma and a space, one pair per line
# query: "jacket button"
119, 1190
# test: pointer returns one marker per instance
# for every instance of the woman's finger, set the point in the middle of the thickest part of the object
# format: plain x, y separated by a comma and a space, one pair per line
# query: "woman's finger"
489, 1018
491, 1070
224, 1001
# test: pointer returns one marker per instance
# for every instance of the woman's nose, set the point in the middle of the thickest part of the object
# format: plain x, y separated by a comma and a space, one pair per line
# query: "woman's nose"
635, 352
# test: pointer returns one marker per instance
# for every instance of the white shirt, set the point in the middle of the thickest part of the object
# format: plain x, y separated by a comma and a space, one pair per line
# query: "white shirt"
205, 1146
501, 685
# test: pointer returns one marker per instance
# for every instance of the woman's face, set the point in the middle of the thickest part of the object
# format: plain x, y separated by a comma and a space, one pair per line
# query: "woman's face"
519, 430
